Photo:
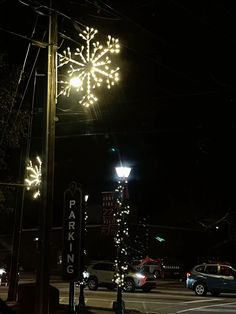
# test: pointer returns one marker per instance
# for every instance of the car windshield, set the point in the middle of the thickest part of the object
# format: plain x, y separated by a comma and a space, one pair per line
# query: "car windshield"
131, 268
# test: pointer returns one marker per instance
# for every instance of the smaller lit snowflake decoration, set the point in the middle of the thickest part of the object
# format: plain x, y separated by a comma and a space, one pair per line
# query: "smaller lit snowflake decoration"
89, 67
33, 180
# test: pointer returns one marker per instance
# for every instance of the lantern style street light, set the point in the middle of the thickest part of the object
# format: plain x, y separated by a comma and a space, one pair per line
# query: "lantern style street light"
123, 172
121, 213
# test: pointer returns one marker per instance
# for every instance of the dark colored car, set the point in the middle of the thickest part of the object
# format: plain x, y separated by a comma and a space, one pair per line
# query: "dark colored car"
215, 278
101, 274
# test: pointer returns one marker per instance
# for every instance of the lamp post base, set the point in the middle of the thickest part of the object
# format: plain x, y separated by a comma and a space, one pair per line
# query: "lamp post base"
119, 307
81, 306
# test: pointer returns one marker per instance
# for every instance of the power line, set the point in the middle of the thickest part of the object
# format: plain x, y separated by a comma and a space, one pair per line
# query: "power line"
31, 40
18, 83
31, 73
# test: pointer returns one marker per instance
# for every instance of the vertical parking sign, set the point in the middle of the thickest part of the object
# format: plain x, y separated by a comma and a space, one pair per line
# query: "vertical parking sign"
72, 232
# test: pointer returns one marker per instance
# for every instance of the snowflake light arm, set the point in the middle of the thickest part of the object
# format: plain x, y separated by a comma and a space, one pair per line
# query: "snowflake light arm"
65, 58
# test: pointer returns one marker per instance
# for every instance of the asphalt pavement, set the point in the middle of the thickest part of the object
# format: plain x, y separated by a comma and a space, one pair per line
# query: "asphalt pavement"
17, 308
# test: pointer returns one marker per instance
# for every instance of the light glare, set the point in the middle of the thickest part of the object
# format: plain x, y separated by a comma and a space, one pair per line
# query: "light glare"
75, 82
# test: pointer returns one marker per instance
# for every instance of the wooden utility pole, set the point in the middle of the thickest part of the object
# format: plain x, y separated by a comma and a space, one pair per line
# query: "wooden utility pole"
43, 269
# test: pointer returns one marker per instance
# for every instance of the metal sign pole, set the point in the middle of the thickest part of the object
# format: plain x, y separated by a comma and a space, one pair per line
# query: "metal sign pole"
72, 298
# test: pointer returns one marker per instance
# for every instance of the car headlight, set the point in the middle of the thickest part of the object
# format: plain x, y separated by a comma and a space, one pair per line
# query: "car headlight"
140, 276
85, 275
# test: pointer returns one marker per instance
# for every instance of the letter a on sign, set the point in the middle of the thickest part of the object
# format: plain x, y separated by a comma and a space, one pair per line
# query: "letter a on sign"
72, 220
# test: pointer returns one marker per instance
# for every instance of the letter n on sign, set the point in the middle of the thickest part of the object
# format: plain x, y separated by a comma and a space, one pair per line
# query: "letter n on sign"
72, 220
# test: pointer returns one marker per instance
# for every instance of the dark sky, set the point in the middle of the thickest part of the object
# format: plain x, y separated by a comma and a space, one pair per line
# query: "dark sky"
172, 117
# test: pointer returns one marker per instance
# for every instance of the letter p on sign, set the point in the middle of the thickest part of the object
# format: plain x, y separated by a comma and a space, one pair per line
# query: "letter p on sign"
72, 203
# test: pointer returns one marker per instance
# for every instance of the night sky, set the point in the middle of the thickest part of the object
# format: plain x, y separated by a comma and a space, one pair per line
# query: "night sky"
172, 116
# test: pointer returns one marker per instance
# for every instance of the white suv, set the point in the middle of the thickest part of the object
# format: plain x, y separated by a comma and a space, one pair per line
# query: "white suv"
101, 274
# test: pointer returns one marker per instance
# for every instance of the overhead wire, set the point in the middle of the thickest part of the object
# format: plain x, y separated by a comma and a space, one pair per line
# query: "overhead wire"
152, 59
28, 81
153, 36
113, 18
130, 20
33, 41
18, 83
123, 16
165, 66
42, 6
119, 15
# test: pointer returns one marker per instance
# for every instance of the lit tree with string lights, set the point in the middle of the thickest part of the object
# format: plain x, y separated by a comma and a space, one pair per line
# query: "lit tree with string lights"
89, 67
34, 177
121, 237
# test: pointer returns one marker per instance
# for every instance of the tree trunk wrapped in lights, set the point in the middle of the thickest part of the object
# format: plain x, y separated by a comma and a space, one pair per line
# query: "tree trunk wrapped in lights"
121, 214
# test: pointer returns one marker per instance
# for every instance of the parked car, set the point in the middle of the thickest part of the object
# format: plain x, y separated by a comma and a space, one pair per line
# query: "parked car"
149, 265
161, 267
101, 274
214, 278
3, 276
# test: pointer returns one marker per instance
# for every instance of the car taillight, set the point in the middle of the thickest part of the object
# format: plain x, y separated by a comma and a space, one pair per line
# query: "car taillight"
188, 274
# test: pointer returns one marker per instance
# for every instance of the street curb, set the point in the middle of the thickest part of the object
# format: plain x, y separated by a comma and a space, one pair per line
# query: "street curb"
110, 309
16, 306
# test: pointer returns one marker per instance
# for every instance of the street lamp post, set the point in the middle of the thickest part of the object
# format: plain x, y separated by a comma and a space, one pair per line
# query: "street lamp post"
121, 235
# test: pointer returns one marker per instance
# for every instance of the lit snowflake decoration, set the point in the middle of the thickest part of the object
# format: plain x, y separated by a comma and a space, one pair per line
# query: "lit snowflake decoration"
89, 67
33, 180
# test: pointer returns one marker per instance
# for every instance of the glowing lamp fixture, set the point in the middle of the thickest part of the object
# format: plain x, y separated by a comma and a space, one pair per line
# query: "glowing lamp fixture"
91, 65
123, 172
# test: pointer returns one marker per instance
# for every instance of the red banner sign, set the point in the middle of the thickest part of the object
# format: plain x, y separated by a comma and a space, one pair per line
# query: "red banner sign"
108, 209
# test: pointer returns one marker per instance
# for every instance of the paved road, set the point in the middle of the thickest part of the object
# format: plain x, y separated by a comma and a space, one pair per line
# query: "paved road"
168, 298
